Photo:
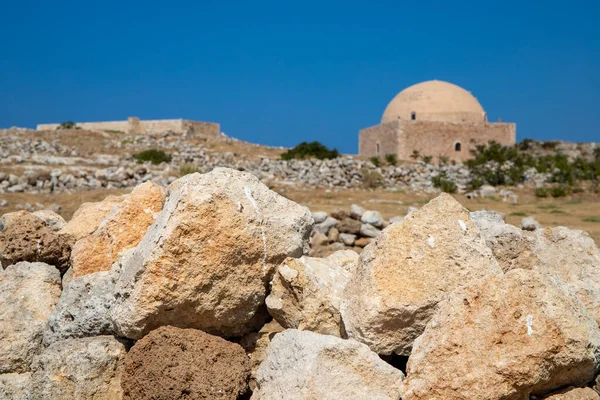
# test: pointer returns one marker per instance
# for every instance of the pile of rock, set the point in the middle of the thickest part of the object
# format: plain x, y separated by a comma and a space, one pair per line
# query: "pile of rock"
353, 229
206, 290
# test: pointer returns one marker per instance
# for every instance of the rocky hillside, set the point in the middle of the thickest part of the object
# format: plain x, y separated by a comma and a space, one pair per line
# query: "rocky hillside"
206, 290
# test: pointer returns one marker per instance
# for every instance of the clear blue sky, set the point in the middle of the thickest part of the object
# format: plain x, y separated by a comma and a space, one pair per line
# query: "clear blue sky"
280, 72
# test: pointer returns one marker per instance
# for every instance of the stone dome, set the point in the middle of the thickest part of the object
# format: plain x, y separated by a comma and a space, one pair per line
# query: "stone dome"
434, 101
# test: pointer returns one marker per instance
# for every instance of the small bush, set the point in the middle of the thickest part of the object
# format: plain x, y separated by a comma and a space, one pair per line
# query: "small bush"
525, 144
591, 219
443, 159
371, 179
308, 150
559, 191
376, 161
415, 155
444, 184
187, 169
541, 192
519, 214
391, 158
427, 159
67, 125
153, 155
549, 145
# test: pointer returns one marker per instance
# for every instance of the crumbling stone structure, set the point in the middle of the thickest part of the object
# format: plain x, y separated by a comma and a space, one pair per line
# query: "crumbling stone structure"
434, 118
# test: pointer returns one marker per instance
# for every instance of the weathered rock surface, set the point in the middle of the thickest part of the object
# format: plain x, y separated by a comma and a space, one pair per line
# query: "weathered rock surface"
28, 293
412, 266
356, 212
307, 365
325, 226
373, 218
369, 231
87, 368
172, 363
574, 394
88, 216
27, 238
306, 294
16, 386
122, 229
52, 220
256, 345
206, 261
530, 224
504, 337
349, 225
83, 308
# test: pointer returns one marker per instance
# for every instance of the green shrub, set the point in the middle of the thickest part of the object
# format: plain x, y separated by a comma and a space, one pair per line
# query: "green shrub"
559, 191
415, 155
541, 192
391, 158
525, 144
444, 184
591, 219
153, 155
443, 159
519, 214
376, 161
549, 145
426, 159
187, 169
67, 125
308, 150
371, 179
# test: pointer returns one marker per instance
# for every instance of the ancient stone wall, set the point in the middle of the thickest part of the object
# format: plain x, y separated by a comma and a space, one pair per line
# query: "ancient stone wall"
433, 138
379, 140
201, 129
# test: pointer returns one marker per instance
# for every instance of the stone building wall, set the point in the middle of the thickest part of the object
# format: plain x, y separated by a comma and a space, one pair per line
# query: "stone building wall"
134, 125
433, 138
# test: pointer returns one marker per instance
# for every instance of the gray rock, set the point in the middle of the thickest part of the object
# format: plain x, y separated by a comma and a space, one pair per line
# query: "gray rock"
356, 212
368, 230
325, 226
373, 218
83, 308
53, 221
530, 224
3, 203
28, 293
484, 219
347, 239
319, 216
396, 220
411, 209
16, 386
86, 368
304, 365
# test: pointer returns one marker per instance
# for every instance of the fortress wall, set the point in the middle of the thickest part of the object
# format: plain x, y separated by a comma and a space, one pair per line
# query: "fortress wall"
122, 126
202, 129
158, 126
438, 138
386, 135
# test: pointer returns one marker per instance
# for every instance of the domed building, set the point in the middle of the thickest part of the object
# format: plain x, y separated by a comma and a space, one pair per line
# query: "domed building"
434, 118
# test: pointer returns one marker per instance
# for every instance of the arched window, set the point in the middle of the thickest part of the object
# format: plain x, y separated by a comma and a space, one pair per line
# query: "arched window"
457, 146
378, 148
413, 115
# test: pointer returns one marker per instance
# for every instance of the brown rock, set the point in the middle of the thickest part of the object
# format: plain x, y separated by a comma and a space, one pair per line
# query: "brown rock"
411, 266
122, 229
340, 214
333, 235
256, 345
504, 337
349, 225
88, 216
173, 363
574, 394
362, 242
27, 238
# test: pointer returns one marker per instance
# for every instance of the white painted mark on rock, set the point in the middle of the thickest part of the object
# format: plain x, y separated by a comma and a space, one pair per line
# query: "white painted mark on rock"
248, 193
529, 325
431, 241
462, 225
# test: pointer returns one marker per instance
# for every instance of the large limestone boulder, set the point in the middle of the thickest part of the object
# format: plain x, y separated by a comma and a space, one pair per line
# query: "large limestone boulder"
28, 293
574, 394
173, 363
302, 365
87, 368
16, 386
206, 261
408, 270
88, 216
504, 337
27, 238
122, 229
306, 294
83, 308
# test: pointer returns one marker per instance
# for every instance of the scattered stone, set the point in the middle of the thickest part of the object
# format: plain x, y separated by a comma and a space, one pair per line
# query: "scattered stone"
53, 221
83, 309
319, 240
305, 295
530, 224
174, 363
349, 225
88, 216
356, 212
27, 238
87, 368
122, 229
340, 214
206, 261
574, 394
347, 239
525, 324
319, 216
307, 365
325, 226
411, 267
367, 230
362, 242
373, 218
3, 203
28, 293
333, 235
396, 220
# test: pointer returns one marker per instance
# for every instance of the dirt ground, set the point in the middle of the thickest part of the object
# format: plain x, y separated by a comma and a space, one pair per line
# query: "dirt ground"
581, 211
